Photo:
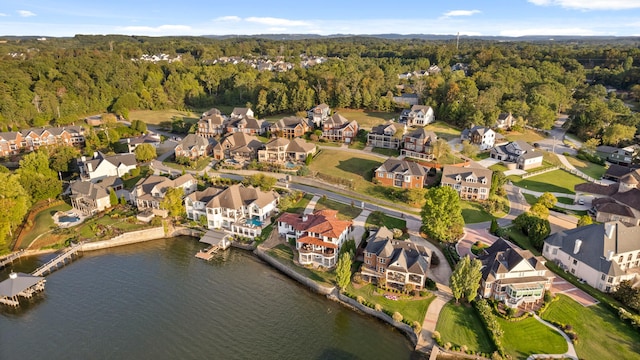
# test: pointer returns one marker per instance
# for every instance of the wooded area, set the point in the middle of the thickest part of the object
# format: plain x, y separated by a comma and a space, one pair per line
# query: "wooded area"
60, 80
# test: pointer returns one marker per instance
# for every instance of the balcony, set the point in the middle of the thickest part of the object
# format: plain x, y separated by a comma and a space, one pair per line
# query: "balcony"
308, 249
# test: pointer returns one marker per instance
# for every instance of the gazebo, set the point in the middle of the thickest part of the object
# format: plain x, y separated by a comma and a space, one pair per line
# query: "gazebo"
19, 284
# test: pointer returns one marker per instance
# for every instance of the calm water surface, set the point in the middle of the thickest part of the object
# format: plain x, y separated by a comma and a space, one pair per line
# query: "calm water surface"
157, 301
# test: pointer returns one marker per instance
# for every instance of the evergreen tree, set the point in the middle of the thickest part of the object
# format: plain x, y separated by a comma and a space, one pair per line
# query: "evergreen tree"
442, 214
343, 270
113, 198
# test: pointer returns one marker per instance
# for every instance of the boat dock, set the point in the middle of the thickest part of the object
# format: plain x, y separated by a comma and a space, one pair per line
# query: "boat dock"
218, 240
20, 285
59, 260
11, 258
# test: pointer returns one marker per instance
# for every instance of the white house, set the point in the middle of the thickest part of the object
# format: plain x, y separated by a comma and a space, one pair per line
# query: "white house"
318, 236
418, 115
237, 209
603, 255
482, 136
102, 166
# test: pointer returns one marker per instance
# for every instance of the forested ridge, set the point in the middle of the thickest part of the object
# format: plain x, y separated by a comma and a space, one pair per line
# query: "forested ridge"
58, 81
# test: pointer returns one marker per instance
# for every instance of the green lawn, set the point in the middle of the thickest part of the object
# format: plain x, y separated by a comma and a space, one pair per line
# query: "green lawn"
284, 255
155, 117
529, 336
558, 181
411, 310
498, 167
116, 220
367, 119
42, 223
130, 182
472, 212
532, 199
301, 205
601, 334
461, 325
378, 218
341, 164
198, 165
594, 170
274, 118
521, 240
444, 130
527, 135
345, 211
387, 152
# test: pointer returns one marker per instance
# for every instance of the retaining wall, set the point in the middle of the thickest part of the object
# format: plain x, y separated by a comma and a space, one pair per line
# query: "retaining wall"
126, 239
320, 289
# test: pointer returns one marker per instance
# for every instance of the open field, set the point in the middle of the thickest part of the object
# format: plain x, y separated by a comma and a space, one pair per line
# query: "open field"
345, 211
155, 117
594, 170
460, 325
558, 181
444, 130
354, 167
529, 336
42, 223
411, 309
472, 212
378, 218
601, 334
527, 135
367, 119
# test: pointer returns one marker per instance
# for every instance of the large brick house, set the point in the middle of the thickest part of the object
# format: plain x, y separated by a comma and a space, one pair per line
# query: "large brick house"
398, 262
212, 123
340, 129
318, 236
418, 144
387, 135
290, 127
237, 146
401, 173
14, 142
470, 183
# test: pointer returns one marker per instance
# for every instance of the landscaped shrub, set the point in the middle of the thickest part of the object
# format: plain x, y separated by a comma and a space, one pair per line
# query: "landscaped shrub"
446, 345
378, 307
435, 260
429, 284
397, 316
491, 323
360, 299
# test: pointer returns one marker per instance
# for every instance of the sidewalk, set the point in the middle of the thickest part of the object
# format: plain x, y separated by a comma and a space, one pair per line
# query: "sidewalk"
571, 351
311, 205
425, 340
576, 207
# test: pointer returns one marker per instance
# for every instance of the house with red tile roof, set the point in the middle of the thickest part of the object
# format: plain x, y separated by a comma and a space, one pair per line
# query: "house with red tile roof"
318, 236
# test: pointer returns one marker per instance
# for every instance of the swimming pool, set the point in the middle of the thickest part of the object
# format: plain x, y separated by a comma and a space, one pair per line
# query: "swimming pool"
254, 222
68, 218
290, 165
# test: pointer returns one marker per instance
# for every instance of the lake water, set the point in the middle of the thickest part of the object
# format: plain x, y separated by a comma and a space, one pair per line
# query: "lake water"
157, 301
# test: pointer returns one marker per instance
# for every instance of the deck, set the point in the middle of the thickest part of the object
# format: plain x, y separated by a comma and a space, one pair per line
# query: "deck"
59, 260
219, 240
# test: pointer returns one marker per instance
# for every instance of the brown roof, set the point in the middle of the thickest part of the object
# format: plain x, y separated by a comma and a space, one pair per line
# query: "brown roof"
323, 222
593, 188
317, 242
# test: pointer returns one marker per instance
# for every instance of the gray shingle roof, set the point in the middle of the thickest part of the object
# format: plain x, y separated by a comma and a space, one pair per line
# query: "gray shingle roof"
402, 166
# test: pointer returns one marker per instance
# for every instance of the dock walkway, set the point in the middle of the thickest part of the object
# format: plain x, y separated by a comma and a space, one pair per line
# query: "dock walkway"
11, 258
61, 259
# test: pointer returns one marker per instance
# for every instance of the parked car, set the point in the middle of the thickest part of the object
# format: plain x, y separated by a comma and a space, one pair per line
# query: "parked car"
581, 202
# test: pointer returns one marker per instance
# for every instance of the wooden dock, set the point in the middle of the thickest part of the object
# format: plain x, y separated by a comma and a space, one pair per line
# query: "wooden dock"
207, 254
219, 240
59, 260
11, 258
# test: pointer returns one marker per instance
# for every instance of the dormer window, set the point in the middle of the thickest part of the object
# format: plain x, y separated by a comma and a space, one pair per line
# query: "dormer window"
458, 178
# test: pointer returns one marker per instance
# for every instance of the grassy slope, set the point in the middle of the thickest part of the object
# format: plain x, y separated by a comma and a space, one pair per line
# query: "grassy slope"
558, 181
472, 212
529, 336
42, 223
461, 325
284, 255
155, 117
411, 310
345, 211
385, 220
347, 165
601, 335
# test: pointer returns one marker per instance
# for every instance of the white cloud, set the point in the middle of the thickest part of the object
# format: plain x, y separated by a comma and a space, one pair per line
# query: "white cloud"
3, 14
173, 29
270, 21
549, 32
277, 29
590, 4
228, 18
26, 13
453, 13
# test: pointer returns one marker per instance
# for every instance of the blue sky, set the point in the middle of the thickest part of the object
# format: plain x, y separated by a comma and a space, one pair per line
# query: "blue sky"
216, 17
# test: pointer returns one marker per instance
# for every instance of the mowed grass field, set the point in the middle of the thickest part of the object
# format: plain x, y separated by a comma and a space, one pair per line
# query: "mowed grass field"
601, 334
594, 170
155, 117
367, 119
558, 181
461, 325
356, 167
529, 336
444, 130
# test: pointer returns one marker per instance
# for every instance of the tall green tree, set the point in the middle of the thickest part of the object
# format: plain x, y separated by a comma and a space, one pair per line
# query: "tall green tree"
113, 198
145, 152
40, 181
465, 279
617, 132
343, 270
584, 220
547, 200
62, 157
172, 202
442, 214
14, 204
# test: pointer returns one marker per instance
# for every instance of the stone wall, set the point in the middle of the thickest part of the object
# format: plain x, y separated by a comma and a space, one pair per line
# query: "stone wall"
126, 239
320, 289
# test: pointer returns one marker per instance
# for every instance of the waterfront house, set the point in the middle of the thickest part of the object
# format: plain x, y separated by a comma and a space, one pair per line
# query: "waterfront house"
602, 255
238, 209
470, 183
194, 146
401, 173
290, 127
418, 115
148, 193
102, 166
482, 136
418, 144
505, 121
514, 276
212, 123
239, 147
318, 114
318, 236
520, 152
387, 135
398, 262
90, 198
340, 129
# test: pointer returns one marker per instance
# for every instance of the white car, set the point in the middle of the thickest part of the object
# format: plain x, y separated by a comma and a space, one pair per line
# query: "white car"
581, 202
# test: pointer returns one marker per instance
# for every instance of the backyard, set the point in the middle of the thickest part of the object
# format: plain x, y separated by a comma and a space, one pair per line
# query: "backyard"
410, 308
472, 212
527, 135
378, 218
594, 170
460, 325
42, 224
367, 119
529, 336
601, 334
155, 117
443, 130
197, 165
106, 225
345, 211
299, 207
284, 255
558, 181
355, 168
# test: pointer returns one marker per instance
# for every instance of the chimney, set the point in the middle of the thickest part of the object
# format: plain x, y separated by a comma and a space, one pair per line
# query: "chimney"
609, 228
576, 246
95, 154
89, 167
305, 217
610, 255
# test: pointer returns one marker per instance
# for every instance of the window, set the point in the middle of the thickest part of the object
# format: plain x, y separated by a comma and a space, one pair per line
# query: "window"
382, 260
368, 262
389, 176
575, 262
555, 252
603, 277
629, 257
620, 259
610, 280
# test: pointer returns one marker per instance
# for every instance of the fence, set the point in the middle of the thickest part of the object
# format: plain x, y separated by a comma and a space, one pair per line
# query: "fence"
534, 173
582, 175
